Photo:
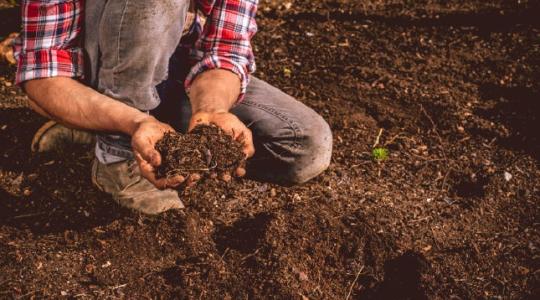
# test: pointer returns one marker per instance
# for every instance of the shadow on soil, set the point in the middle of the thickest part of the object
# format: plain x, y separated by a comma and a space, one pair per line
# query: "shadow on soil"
518, 109
48, 192
244, 235
10, 21
403, 277
17, 127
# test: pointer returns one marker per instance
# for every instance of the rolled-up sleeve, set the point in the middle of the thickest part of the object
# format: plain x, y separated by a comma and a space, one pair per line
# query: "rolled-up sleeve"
49, 44
226, 41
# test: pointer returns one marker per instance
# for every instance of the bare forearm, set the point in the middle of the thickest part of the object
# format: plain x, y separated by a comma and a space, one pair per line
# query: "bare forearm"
214, 91
73, 104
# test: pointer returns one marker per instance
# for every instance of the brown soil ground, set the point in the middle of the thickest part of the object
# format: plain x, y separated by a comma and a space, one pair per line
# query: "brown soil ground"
453, 213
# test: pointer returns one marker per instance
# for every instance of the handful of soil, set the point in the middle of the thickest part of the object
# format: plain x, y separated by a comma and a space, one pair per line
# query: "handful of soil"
206, 149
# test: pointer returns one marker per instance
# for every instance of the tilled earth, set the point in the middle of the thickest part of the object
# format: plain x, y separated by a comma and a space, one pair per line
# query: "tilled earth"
450, 88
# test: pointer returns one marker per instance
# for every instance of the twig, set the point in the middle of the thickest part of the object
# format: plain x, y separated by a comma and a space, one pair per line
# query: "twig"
224, 253
354, 282
118, 286
443, 183
27, 294
250, 255
29, 215
377, 140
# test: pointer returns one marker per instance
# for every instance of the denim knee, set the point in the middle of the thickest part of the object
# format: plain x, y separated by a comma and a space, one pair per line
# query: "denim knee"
315, 153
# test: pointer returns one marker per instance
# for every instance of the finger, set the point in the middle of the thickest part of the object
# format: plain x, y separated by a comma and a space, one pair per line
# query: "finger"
147, 171
240, 172
175, 181
247, 142
147, 151
153, 157
198, 119
193, 179
226, 177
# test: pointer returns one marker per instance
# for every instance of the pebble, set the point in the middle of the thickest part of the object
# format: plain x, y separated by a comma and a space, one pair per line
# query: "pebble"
507, 176
27, 192
273, 192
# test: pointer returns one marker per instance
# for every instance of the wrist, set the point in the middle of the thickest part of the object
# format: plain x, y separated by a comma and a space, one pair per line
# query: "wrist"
137, 121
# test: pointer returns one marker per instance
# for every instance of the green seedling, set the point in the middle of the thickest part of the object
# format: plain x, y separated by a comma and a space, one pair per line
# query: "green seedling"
379, 154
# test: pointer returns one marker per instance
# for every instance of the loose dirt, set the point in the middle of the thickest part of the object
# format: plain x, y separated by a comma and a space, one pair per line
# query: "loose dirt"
452, 213
204, 150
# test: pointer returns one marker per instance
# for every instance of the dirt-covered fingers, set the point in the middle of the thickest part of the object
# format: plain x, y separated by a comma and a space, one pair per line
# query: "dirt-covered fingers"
148, 172
192, 179
240, 172
246, 139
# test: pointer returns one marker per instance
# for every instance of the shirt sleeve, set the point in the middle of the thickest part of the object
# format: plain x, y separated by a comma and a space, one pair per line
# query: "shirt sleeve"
49, 42
225, 42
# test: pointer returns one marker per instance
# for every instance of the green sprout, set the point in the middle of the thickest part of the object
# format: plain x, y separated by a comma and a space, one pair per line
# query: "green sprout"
379, 154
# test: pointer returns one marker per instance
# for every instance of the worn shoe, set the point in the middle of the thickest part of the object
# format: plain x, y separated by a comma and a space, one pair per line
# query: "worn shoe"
54, 136
130, 189
6, 49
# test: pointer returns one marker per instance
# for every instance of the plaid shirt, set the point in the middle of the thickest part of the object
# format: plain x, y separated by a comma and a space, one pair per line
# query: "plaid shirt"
51, 42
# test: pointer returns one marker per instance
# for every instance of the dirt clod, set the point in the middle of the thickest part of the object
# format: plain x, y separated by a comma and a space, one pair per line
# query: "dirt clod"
206, 149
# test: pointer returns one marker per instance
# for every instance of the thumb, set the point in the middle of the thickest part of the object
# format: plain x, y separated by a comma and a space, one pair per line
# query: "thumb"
147, 153
152, 156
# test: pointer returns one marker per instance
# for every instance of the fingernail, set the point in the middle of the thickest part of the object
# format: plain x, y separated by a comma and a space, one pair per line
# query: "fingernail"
240, 172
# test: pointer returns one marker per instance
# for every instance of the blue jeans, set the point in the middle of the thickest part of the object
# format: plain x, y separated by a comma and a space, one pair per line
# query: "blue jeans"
133, 57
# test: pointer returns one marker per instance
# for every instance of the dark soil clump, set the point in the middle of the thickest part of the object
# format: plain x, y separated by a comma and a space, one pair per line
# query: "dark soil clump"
206, 149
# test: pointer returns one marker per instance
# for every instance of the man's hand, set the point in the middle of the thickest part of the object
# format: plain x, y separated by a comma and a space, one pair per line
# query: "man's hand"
148, 132
233, 127
212, 95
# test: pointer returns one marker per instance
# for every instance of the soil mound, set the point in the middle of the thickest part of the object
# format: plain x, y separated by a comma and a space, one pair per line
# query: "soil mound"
206, 149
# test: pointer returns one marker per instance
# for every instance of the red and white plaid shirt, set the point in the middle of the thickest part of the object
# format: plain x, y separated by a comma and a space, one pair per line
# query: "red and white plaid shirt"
51, 41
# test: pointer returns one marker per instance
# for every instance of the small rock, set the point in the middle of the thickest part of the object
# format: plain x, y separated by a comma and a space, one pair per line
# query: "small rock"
523, 270
27, 192
263, 188
303, 276
89, 268
507, 176
273, 192
106, 265
32, 177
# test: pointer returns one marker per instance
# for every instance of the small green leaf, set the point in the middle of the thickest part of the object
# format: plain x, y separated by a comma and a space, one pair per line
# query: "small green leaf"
379, 154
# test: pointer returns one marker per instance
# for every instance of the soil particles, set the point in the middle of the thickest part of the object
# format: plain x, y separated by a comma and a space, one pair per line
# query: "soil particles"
204, 150
450, 89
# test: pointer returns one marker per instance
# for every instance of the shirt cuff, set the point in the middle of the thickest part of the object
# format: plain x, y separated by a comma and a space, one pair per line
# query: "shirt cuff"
215, 62
49, 63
